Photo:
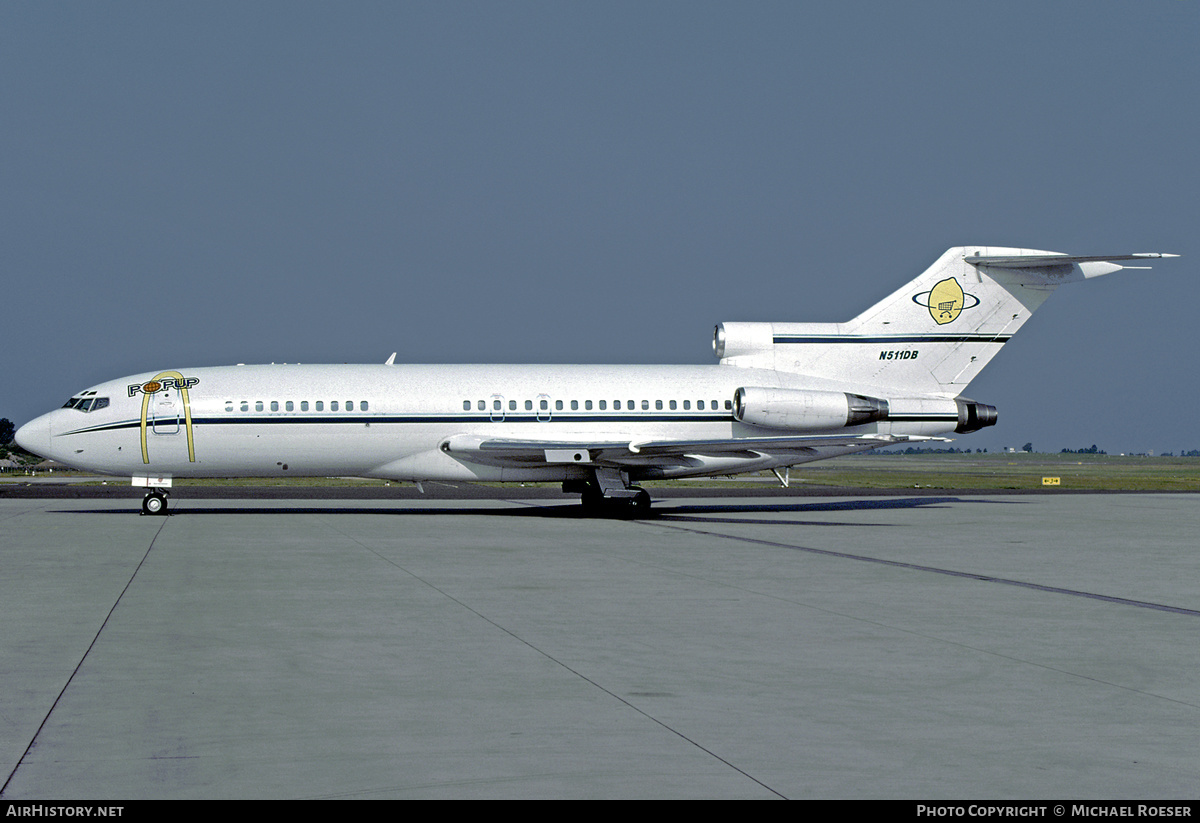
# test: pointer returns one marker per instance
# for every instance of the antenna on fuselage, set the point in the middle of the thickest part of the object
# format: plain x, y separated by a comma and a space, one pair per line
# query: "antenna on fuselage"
391, 361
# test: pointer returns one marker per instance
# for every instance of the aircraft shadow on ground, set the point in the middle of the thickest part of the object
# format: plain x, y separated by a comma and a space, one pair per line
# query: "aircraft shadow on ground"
711, 513
664, 511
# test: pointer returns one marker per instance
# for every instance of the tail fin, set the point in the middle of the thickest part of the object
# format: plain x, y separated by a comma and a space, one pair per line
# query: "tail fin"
934, 335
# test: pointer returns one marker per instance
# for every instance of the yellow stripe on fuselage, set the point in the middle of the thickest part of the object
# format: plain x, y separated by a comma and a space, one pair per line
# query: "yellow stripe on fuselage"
187, 414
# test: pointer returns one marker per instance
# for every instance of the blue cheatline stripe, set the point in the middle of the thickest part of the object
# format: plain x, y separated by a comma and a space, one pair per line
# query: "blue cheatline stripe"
284, 419
910, 338
648, 417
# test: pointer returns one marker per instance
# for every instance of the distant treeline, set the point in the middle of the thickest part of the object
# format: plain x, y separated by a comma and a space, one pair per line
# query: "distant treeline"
916, 450
1093, 449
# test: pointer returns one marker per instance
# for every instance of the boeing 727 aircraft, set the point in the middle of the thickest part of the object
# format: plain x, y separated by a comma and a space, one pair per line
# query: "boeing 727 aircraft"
781, 394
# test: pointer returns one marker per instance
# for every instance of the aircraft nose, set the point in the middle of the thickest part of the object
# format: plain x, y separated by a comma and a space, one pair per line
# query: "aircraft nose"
34, 436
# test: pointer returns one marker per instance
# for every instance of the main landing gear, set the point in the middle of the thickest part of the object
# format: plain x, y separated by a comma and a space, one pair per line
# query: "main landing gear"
155, 502
610, 493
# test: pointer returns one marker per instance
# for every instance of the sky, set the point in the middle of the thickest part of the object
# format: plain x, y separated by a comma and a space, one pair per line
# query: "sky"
190, 184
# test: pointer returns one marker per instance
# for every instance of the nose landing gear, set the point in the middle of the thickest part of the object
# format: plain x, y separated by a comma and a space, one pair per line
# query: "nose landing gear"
154, 503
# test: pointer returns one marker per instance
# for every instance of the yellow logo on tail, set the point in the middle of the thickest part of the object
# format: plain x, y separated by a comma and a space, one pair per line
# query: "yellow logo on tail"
946, 301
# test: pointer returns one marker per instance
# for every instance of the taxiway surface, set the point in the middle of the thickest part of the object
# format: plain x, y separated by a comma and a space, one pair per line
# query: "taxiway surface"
936, 646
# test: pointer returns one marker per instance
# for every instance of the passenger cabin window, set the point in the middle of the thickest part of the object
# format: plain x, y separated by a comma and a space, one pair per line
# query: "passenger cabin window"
258, 405
303, 405
333, 405
319, 405
274, 405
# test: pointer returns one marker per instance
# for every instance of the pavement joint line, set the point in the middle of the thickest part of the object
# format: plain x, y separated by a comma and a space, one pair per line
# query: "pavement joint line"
82, 658
563, 665
22, 512
897, 628
985, 578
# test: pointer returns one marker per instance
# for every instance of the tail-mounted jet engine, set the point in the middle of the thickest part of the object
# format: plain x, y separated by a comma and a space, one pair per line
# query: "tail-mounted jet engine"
740, 339
974, 416
802, 410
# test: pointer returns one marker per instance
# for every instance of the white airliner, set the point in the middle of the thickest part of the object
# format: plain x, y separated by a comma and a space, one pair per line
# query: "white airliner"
782, 394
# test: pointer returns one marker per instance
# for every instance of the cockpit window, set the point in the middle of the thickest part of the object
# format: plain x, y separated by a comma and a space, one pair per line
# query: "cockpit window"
86, 404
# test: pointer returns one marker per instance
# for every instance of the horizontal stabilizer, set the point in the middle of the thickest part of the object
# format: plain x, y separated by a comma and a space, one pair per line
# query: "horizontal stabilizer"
1041, 261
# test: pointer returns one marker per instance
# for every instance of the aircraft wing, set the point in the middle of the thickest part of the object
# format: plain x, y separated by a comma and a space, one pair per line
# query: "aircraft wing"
475, 449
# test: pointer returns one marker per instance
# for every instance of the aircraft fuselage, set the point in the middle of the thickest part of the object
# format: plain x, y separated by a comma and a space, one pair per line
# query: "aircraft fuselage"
388, 420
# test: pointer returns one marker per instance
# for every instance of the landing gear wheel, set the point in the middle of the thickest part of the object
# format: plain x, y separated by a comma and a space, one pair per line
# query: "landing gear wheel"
154, 503
592, 499
640, 503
